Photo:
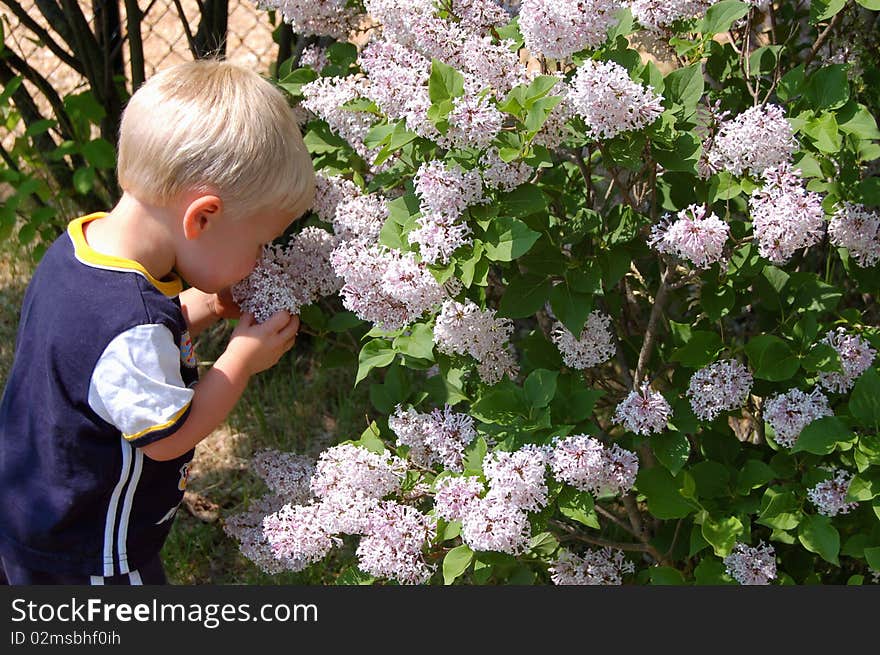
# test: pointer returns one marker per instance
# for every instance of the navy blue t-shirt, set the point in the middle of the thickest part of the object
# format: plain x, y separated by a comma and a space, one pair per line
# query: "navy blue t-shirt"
103, 365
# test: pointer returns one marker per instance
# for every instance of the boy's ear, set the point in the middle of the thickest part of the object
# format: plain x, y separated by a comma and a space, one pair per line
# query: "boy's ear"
200, 214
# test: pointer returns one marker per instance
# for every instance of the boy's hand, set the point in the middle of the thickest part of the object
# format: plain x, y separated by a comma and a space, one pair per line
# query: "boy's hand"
223, 306
258, 346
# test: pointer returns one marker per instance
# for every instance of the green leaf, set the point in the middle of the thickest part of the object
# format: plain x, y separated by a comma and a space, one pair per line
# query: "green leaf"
771, 358
354, 576
524, 200
864, 486
294, 82
779, 510
578, 506
722, 533
684, 86
818, 536
824, 132
418, 343
375, 354
711, 571
711, 477
821, 10
445, 82
822, 435
570, 307
828, 87
873, 5
752, 475
509, 238
84, 180
540, 387
662, 493
822, 357
456, 563
524, 296
763, 61
864, 402
371, 441
474, 455
872, 556
700, 350
721, 15
666, 576
672, 450
392, 390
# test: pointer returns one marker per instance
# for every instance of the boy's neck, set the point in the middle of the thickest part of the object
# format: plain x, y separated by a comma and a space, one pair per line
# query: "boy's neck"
137, 231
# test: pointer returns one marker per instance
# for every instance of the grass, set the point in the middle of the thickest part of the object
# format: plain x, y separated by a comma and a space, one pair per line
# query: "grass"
300, 405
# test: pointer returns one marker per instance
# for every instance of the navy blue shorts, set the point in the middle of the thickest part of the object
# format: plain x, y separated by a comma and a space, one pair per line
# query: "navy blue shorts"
12, 573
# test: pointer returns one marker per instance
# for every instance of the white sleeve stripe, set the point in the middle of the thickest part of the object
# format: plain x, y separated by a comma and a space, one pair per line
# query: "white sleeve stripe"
136, 384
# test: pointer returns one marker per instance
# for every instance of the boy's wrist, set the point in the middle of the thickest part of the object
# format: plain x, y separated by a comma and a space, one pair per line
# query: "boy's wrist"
234, 366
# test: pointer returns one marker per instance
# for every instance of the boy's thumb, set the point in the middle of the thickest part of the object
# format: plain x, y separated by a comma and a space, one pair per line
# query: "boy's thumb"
277, 321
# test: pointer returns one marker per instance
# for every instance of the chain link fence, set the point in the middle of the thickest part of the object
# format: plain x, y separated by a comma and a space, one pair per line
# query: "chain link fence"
166, 41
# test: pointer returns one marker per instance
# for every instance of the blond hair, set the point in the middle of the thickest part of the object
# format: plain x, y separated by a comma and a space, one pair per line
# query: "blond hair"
213, 126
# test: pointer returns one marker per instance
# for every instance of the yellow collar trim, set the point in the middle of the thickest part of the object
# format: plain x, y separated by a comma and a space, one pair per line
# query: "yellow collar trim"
87, 255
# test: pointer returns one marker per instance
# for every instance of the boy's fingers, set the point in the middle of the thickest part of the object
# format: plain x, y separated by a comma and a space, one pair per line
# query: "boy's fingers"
246, 319
277, 321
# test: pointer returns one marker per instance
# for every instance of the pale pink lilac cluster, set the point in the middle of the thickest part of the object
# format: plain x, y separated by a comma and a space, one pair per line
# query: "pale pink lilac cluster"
789, 413
398, 84
384, 286
695, 235
315, 57
658, 14
829, 496
316, 17
856, 356
291, 277
555, 129
752, 565
346, 468
297, 536
588, 465
594, 345
360, 218
755, 140
393, 543
447, 191
326, 96
330, 191
602, 93
473, 122
719, 387
559, 28
492, 524
785, 216
454, 496
857, 229
643, 411
286, 474
517, 478
436, 437
501, 175
479, 15
465, 329
247, 528
602, 566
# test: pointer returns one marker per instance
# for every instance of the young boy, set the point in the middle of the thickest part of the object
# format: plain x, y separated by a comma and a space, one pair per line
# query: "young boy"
101, 411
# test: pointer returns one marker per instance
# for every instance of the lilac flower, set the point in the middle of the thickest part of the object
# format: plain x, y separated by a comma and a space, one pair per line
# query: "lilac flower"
296, 534
347, 468
594, 345
829, 496
438, 437
559, 28
721, 386
247, 528
286, 474
360, 218
385, 286
326, 96
604, 566
752, 565
517, 478
319, 18
455, 496
603, 94
658, 14
491, 524
586, 464
785, 216
694, 236
473, 122
643, 411
755, 140
856, 356
393, 543
315, 57
789, 413
857, 229
446, 191
463, 328
330, 190
479, 15
502, 175
438, 237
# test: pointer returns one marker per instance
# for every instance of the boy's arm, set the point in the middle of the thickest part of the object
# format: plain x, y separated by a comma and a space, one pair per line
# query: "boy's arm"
201, 310
252, 348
